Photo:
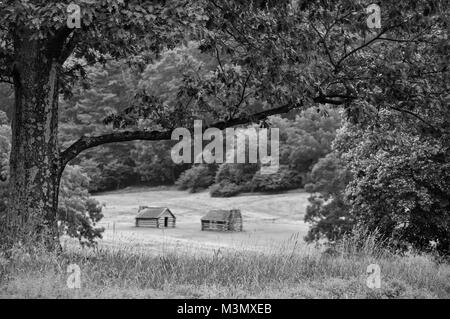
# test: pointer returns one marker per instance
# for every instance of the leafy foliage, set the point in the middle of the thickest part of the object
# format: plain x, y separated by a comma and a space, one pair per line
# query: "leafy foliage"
303, 141
328, 212
238, 174
3, 197
197, 177
110, 90
5, 148
306, 138
284, 179
117, 165
154, 164
78, 213
402, 183
225, 189
385, 179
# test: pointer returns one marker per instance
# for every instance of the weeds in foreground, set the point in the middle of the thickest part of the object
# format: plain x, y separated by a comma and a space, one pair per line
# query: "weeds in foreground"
292, 270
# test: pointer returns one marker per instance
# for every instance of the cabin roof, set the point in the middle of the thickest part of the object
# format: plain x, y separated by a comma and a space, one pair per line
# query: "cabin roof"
220, 215
152, 212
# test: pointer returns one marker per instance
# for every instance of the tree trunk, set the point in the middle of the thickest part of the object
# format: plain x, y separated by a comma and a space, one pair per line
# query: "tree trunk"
34, 163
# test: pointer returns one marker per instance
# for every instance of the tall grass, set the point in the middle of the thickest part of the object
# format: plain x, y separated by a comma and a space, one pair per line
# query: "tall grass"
287, 271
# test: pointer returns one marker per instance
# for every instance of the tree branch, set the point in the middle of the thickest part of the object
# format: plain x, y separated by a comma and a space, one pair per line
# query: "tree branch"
7, 80
433, 128
365, 44
87, 142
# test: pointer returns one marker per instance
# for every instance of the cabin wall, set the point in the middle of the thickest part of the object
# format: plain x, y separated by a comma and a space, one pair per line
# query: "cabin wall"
146, 223
157, 223
236, 225
215, 225
170, 222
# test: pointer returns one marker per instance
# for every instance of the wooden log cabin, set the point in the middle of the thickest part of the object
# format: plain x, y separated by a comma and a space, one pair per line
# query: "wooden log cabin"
157, 217
222, 220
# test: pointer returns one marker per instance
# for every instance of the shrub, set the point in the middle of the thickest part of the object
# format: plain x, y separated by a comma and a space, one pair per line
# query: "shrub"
114, 175
78, 213
284, 179
195, 178
238, 174
328, 212
225, 189
3, 197
406, 196
232, 179
5, 147
154, 164
401, 178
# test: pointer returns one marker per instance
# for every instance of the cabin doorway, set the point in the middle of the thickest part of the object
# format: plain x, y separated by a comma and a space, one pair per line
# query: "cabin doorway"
166, 221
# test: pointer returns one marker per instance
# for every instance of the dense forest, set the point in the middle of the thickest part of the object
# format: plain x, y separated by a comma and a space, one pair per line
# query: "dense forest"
363, 113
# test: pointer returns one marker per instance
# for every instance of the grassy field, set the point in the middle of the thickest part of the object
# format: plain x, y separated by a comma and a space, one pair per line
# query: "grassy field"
268, 260
269, 220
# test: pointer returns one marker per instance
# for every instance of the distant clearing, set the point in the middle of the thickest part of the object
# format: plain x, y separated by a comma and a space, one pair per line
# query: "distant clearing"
269, 220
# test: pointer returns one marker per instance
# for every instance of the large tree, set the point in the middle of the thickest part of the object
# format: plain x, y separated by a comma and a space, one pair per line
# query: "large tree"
272, 57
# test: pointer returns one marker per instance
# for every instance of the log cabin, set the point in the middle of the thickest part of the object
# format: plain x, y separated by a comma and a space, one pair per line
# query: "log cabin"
157, 217
222, 220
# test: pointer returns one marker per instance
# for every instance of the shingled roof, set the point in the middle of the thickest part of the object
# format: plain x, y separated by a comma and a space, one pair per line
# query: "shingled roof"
219, 215
152, 212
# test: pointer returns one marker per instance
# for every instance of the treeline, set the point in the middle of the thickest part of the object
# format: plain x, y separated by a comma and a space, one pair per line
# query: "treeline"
303, 141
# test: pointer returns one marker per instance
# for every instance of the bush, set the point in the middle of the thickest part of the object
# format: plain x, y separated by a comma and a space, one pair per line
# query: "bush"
3, 197
78, 213
154, 164
307, 138
225, 189
5, 148
238, 174
284, 179
232, 179
406, 196
400, 179
113, 175
328, 212
195, 178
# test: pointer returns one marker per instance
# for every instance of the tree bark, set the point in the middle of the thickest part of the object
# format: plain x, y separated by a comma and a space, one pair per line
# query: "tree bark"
35, 167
